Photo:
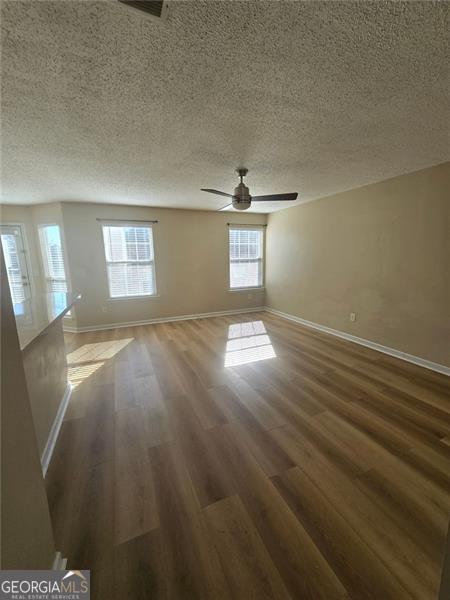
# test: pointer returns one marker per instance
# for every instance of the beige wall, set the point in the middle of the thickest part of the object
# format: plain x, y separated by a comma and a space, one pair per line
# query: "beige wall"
191, 251
381, 251
31, 217
45, 365
23, 215
26, 531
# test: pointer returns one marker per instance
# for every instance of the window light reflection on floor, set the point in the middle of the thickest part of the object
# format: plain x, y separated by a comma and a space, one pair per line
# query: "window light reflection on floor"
98, 351
247, 343
78, 373
89, 358
246, 329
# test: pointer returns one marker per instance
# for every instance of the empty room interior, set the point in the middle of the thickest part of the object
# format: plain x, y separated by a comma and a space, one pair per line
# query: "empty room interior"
225, 299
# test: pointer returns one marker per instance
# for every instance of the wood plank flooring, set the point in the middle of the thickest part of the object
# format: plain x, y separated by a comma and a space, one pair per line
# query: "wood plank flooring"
309, 468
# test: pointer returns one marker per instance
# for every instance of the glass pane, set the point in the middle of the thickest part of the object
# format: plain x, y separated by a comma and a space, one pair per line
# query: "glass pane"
52, 252
131, 280
245, 274
12, 261
124, 243
56, 285
246, 243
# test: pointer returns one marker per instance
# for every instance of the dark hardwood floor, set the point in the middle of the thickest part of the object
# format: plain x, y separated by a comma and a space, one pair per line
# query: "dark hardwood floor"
307, 467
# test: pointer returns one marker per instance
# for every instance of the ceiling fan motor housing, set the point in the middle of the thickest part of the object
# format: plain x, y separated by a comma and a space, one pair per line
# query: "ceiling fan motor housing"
241, 197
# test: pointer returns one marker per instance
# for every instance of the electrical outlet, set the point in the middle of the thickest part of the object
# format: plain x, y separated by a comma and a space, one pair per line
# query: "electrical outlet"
352, 317
104, 309
249, 296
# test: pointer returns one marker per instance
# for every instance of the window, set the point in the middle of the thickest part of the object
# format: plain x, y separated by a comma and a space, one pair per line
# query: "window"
15, 262
53, 258
246, 257
130, 260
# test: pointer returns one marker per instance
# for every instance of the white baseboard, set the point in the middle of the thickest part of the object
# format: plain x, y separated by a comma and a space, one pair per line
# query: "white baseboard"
54, 431
69, 328
219, 313
422, 362
59, 563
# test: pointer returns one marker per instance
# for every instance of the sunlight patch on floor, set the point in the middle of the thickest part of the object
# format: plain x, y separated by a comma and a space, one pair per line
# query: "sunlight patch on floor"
89, 358
251, 328
247, 343
78, 373
98, 351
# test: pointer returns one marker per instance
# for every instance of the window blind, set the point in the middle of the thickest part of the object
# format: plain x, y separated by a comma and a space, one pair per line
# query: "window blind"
130, 261
246, 249
53, 258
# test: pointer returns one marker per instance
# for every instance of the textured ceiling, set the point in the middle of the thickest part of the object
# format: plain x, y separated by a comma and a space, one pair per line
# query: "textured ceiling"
102, 103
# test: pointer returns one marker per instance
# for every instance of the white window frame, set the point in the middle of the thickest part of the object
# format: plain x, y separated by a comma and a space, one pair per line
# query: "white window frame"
149, 225
262, 260
48, 278
26, 256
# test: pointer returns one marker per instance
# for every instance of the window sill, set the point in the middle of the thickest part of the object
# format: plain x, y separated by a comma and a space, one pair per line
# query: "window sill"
132, 298
247, 289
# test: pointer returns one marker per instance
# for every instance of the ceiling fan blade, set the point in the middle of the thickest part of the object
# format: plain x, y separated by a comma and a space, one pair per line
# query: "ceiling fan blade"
225, 207
275, 197
216, 192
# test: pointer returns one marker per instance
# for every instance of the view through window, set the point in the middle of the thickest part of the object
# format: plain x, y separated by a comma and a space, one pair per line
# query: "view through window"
130, 260
53, 258
246, 248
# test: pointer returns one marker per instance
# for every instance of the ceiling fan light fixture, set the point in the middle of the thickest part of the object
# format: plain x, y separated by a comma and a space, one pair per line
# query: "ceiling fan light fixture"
241, 204
241, 197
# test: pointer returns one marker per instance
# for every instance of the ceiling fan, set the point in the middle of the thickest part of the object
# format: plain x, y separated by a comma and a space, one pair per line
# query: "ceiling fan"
241, 199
